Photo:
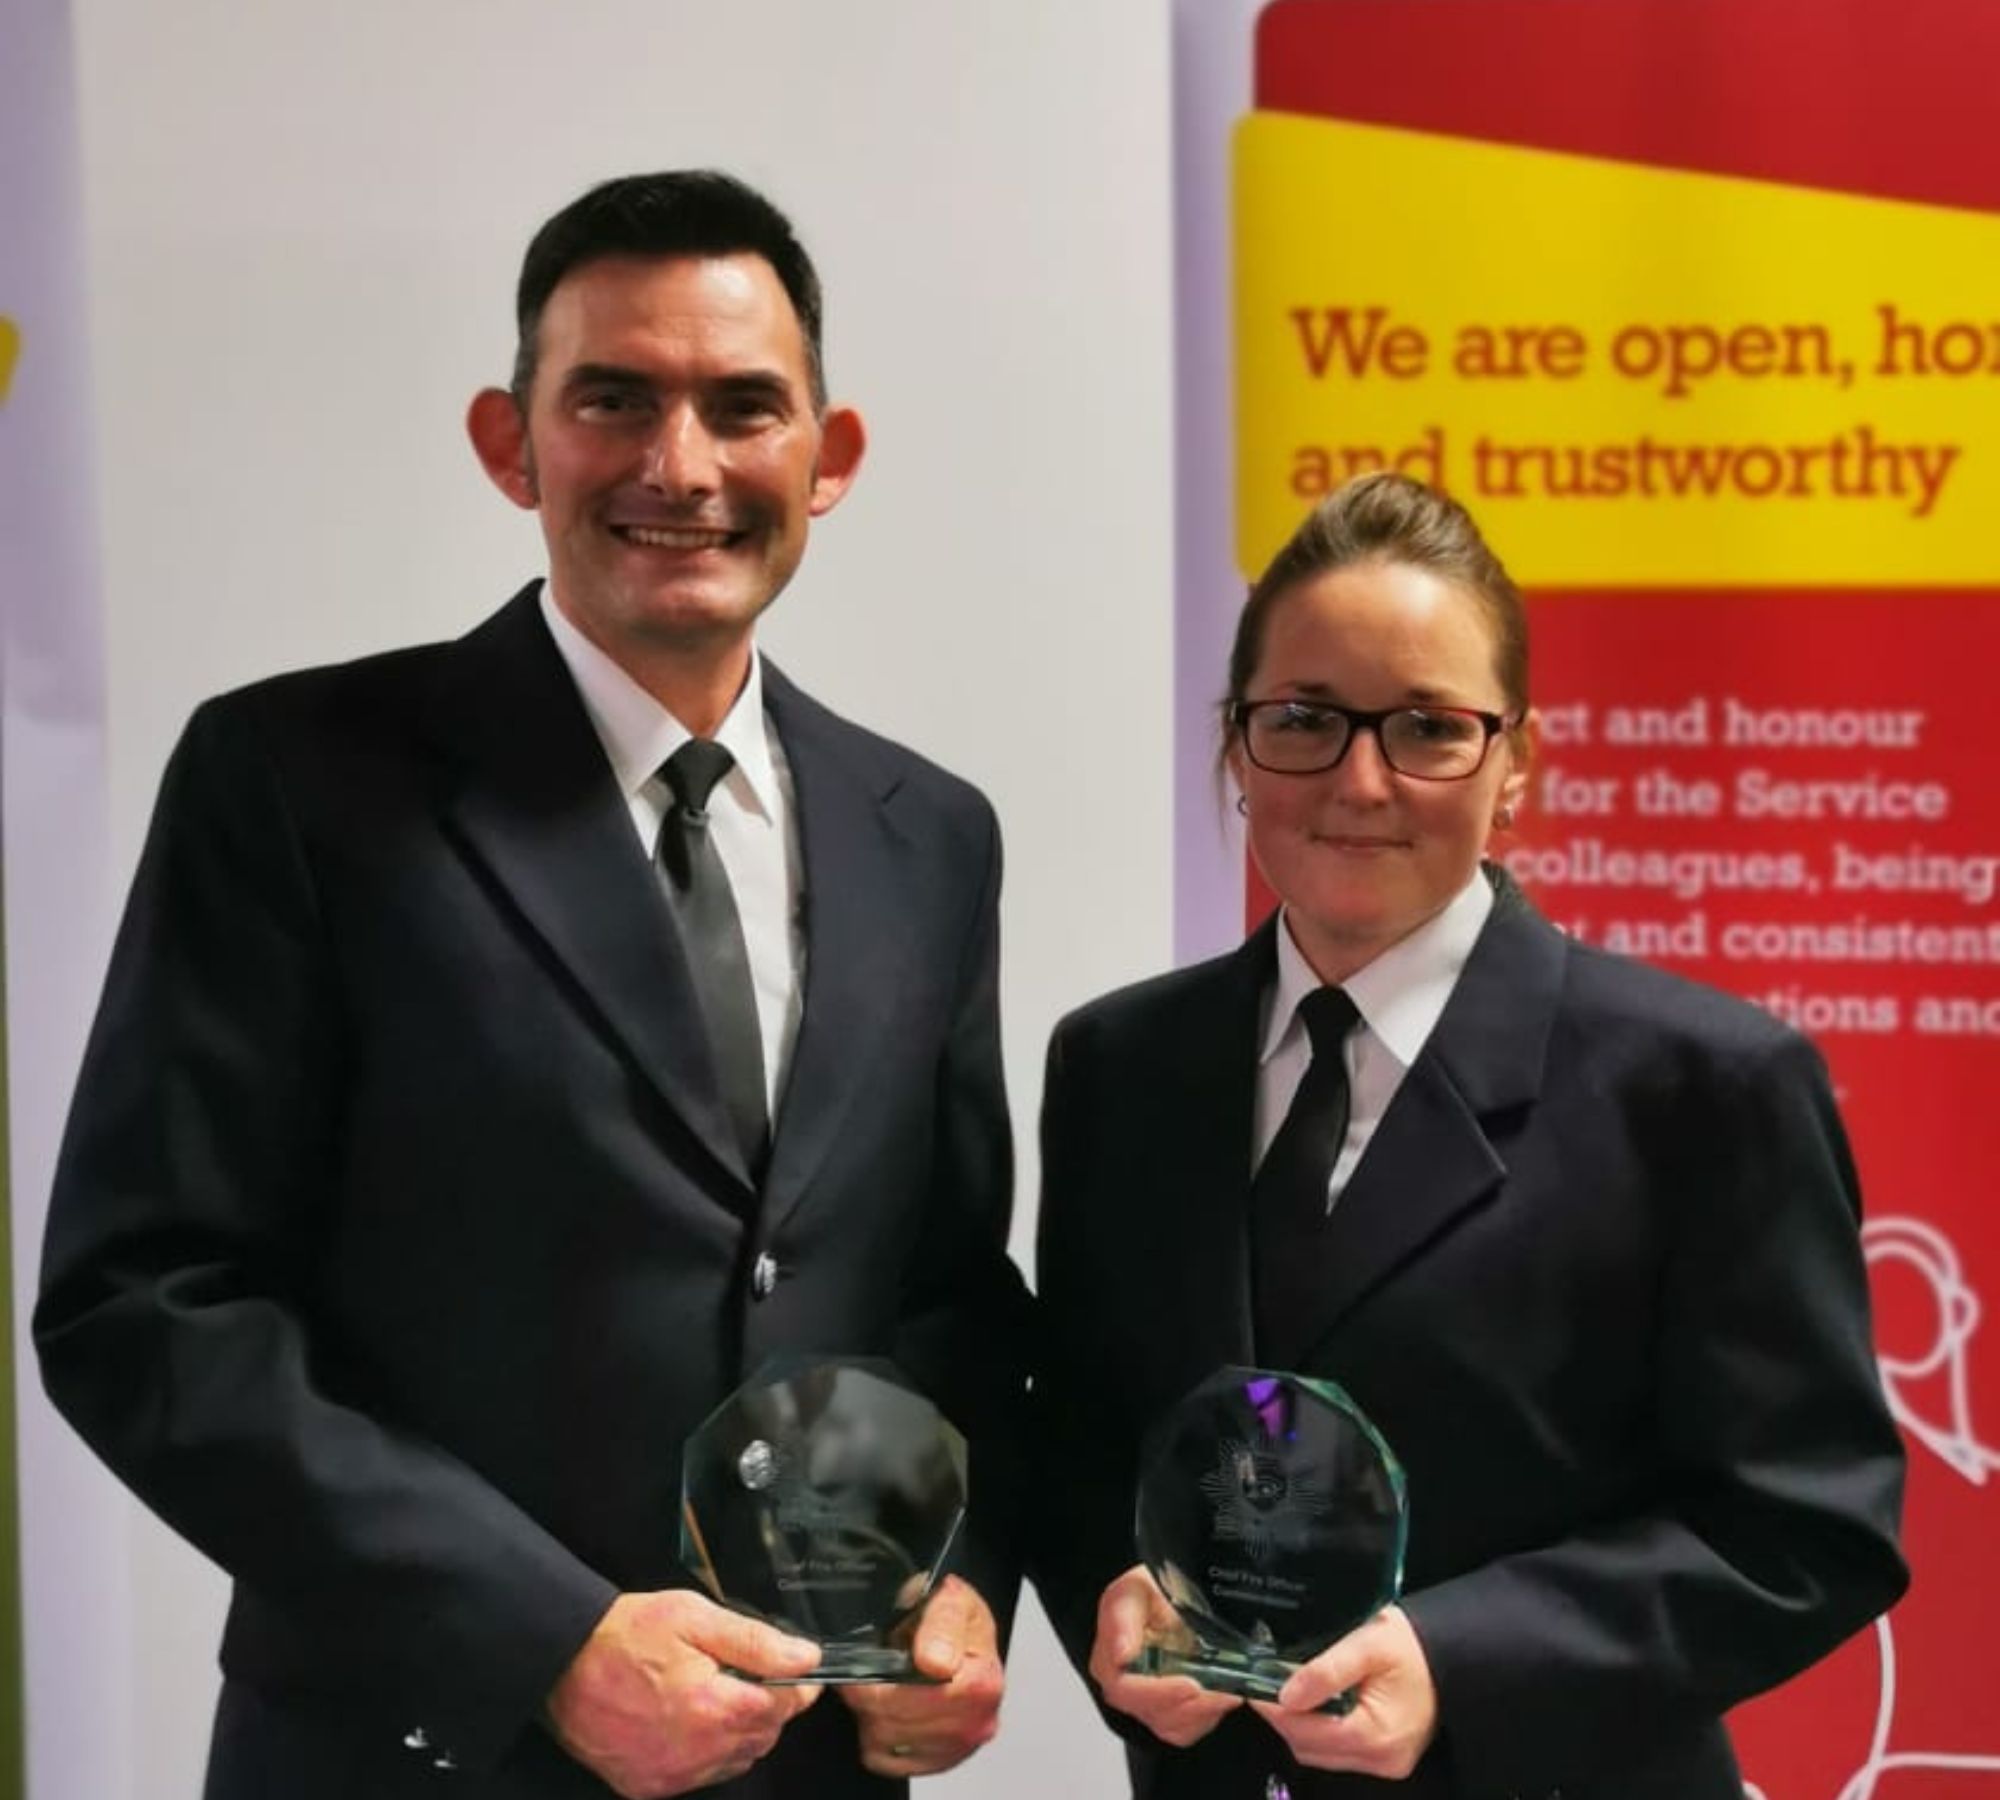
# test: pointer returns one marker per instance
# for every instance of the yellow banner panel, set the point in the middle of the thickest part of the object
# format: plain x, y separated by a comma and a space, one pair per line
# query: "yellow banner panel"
1633, 376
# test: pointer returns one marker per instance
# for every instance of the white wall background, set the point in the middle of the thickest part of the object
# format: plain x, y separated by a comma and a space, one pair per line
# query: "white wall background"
303, 224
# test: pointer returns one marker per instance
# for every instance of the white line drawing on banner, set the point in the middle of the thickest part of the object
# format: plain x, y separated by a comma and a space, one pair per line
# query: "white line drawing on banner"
1927, 1250
1955, 1442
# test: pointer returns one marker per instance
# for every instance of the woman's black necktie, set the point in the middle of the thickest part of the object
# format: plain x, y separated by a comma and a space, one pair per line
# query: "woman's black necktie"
1288, 1197
698, 889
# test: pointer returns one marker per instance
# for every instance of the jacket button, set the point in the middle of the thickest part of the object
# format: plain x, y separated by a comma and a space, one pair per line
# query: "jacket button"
763, 1275
416, 1738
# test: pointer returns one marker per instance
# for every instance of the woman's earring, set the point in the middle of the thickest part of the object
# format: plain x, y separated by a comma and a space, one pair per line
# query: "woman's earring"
1503, 819
1242, 807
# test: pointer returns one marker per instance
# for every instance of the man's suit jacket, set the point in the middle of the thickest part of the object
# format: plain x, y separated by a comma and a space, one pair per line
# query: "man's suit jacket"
1597, 1279
400, 1239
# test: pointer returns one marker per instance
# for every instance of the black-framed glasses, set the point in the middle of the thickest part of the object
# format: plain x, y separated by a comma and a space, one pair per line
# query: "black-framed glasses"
1308, 737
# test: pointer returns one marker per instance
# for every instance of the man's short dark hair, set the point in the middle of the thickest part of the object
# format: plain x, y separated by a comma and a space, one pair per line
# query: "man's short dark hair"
678, 212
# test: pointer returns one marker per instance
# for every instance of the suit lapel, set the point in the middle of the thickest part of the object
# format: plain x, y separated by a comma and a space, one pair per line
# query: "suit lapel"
1204, 1098
1433, 1160
535, 804
854, 865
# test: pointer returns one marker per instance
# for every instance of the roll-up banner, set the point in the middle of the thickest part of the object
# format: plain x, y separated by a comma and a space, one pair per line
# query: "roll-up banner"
1696, 305
62, 1524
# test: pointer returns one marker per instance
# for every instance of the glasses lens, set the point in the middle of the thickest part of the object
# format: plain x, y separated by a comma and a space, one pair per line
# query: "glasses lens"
1439, 746
1295, 739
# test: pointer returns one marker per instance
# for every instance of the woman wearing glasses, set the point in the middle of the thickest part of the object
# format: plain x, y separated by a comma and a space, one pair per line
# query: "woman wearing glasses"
1580, 1238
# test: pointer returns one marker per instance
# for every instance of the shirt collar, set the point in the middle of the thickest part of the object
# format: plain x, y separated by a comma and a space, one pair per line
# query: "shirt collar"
1401, 994
639, 734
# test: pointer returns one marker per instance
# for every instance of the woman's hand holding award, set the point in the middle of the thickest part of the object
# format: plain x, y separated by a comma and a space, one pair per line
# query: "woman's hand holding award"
1273, 1517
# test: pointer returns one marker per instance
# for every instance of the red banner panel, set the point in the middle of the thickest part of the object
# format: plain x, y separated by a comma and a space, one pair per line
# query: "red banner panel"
1696, 304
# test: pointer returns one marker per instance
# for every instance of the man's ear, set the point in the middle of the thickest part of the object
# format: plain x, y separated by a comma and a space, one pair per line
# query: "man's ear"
499, 436
843, 440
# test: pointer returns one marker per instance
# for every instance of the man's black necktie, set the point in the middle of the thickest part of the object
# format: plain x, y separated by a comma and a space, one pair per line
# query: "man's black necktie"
1288, 1198
711, 931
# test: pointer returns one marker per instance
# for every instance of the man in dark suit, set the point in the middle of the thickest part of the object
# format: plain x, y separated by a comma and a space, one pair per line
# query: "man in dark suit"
440, 1159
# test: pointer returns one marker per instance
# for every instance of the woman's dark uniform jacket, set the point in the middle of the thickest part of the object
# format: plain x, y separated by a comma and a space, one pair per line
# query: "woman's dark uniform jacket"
1597, 1278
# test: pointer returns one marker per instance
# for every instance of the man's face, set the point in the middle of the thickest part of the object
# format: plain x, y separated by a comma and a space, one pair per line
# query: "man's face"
671, 446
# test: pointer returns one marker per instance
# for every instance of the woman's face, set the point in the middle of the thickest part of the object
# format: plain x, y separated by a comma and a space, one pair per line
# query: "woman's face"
1360, 855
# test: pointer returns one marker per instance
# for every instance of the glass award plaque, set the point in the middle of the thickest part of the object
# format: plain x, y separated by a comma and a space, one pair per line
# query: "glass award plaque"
1273, 1516
822, 1497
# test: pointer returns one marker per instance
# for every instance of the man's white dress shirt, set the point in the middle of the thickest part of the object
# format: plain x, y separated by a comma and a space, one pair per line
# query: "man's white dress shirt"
753, 820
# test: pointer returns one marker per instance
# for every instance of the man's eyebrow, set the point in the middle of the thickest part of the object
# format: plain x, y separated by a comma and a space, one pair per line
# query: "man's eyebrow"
772, 383
603, 375
754, 381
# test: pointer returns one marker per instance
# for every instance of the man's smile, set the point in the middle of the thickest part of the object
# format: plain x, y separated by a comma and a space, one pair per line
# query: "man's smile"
677, 537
